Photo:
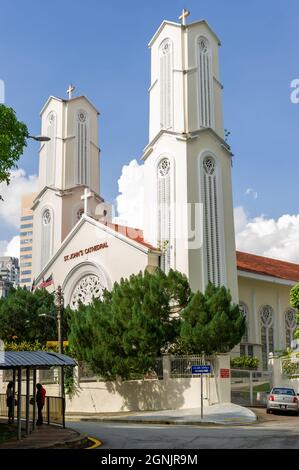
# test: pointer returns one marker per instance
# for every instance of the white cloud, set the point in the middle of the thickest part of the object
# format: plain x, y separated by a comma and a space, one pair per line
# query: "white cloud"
251, 192
274, 238
3, 247
13, 247
10, 208
130, 200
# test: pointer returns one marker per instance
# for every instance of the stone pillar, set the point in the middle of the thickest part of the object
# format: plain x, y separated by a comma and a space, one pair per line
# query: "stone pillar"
166, 367
222, 377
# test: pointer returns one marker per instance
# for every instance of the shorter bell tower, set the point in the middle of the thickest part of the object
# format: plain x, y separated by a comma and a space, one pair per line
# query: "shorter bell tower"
68, 167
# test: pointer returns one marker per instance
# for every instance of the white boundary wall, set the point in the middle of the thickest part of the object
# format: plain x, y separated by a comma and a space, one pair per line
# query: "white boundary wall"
145, 395
279, 379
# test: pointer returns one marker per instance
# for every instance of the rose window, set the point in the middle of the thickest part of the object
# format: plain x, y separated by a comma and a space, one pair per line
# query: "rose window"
89, 287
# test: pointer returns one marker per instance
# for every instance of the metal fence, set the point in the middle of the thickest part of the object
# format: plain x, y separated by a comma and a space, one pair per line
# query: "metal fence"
52, 411
85, 374
250, 387
181, 366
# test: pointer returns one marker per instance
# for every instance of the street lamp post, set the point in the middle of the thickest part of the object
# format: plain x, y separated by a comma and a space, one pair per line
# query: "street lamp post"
59, 301
39, 138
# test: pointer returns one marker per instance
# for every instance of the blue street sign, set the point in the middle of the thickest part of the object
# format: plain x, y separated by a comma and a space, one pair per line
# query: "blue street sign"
205, 369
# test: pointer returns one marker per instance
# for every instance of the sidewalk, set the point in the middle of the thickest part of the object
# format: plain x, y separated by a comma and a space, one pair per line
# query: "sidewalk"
224, 414
46, 437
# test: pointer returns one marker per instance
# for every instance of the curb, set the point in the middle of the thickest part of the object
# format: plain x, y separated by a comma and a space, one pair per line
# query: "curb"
171, 422
96, 443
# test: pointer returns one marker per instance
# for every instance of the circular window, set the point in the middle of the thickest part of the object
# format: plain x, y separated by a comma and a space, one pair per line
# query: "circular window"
46, 217
203, 45
209, 165
82, 116
266, 316
164, 167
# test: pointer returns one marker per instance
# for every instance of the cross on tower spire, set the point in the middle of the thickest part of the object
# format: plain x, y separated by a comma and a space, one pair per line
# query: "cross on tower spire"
183, 16
87, 195
70, 90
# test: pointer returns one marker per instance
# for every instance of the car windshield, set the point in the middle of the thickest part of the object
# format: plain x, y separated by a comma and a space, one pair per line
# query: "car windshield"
283, 391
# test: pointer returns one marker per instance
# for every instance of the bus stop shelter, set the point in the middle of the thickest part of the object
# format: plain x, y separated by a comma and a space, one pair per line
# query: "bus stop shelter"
31, 361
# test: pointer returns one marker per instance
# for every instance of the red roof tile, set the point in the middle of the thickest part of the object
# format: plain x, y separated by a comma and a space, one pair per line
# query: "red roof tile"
133, 233
267, 266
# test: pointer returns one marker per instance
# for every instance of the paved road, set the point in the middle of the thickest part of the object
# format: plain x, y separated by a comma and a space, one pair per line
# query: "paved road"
272, 432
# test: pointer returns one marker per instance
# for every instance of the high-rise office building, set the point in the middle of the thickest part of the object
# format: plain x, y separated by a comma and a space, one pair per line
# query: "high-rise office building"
26, 240
9, 270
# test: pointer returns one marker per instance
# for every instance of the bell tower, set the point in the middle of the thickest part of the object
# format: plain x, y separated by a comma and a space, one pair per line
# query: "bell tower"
69, 180
188, 193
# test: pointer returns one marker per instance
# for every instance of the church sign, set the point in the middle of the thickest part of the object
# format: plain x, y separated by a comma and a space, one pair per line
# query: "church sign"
80, 253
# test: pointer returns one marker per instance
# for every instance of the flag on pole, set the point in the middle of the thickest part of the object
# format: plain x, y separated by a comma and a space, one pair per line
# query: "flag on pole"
47, 282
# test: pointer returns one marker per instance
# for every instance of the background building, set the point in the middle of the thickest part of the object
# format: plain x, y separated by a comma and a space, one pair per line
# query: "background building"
9, 270
4, 287
26, 239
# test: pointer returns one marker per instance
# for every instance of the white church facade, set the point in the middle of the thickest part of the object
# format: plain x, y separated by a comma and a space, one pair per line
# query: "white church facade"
188, 206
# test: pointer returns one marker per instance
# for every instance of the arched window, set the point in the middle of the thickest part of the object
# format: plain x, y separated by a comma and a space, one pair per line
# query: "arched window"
166, 84
267, 335
244, 309
82, 166
51, 150
164, 213
205, 83
290, 325
211, 222
46, 235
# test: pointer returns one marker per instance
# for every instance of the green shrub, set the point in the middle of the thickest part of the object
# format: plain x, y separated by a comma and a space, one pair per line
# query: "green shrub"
244, 362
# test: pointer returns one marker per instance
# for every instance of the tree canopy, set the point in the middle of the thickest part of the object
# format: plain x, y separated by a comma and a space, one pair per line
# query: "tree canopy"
211, 322
13, 135
123, 333
20, 318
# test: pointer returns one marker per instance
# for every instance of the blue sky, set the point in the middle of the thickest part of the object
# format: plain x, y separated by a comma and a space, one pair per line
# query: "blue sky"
101, 47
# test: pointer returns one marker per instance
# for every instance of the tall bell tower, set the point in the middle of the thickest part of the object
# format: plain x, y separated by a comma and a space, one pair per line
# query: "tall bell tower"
188, 194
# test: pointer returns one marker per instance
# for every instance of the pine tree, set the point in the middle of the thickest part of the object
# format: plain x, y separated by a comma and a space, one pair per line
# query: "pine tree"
211, 323
122, 334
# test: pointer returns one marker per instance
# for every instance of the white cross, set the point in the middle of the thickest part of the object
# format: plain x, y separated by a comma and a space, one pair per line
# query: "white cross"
70, 90
87, 195
183, 16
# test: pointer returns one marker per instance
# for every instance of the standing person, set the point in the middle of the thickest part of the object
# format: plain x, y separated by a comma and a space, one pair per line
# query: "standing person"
40, 401
10, 401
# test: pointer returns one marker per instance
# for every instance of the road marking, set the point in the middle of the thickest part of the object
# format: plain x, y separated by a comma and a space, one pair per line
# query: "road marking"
96, 444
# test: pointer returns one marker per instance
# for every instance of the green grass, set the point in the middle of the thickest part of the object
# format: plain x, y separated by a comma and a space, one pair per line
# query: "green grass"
262, 388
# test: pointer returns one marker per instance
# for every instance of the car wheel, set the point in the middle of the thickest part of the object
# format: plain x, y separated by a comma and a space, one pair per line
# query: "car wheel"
268, 411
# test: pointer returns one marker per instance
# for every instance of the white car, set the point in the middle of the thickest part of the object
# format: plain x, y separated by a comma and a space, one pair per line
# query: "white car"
283, 399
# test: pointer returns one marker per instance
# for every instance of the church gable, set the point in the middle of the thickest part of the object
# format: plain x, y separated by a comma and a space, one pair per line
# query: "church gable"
98, 255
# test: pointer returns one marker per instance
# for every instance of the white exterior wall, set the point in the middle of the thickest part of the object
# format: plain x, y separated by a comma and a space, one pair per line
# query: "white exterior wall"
121, 259
255, 293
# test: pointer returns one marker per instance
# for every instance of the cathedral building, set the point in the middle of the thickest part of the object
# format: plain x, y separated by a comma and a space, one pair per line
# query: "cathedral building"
188, 206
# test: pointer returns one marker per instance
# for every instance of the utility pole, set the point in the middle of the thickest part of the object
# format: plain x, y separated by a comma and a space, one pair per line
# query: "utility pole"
59, 303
